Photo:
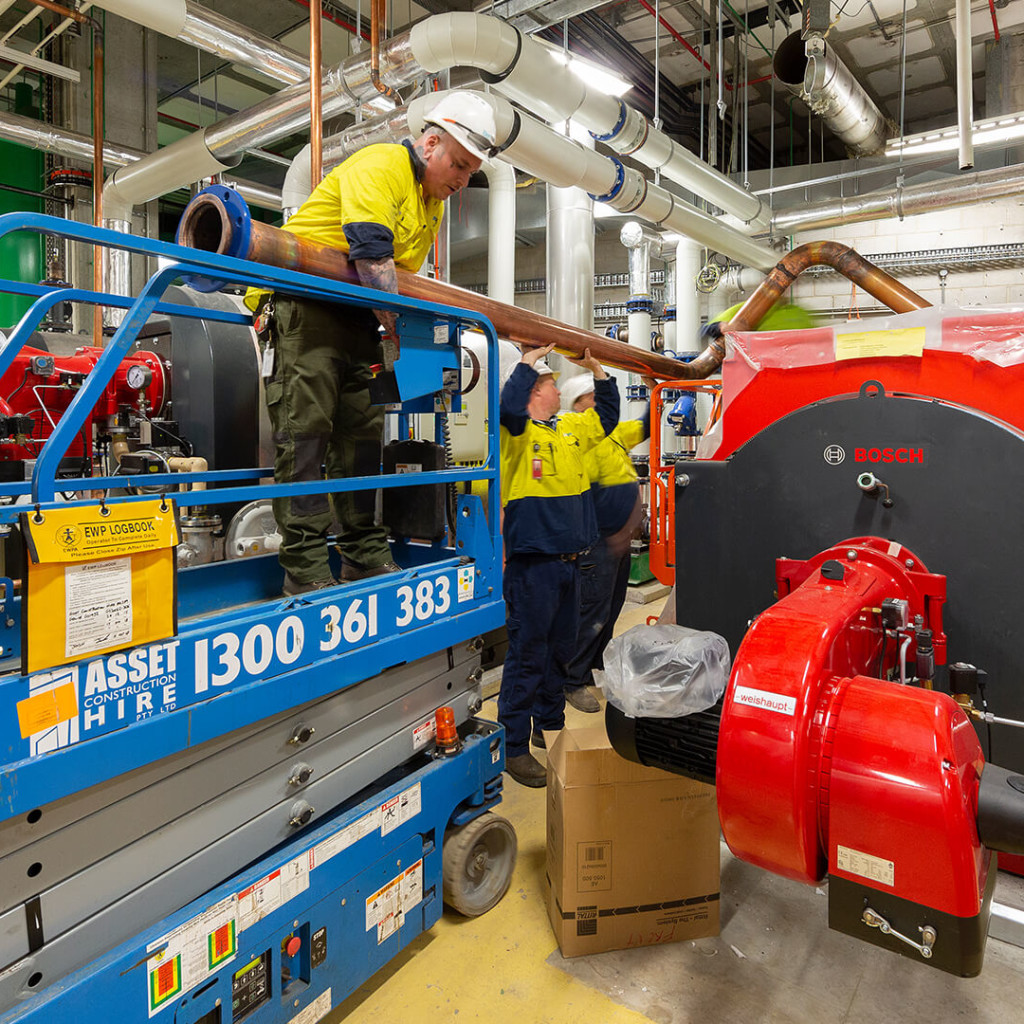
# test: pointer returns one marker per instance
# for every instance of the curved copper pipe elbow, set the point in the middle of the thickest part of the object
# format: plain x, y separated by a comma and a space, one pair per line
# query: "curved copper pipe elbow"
841, 258
377, 10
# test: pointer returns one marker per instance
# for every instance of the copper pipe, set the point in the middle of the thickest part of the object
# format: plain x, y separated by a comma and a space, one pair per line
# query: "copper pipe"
316, 123
207, 225
97, 173
97, 146
64, 12
377, 12
840, 258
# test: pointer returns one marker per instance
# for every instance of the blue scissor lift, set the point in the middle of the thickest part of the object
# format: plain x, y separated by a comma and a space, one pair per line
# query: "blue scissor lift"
257, 819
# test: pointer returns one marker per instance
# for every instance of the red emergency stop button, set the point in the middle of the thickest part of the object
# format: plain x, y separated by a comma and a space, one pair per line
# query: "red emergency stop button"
293, 945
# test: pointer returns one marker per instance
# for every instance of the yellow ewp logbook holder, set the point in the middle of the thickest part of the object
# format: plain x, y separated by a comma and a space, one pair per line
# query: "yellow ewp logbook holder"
98, 579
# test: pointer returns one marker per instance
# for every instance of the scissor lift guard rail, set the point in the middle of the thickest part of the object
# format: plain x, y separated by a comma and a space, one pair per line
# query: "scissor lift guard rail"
293, 734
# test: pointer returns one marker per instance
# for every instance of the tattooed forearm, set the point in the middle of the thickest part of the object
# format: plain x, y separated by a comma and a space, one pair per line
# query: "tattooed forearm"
380, 274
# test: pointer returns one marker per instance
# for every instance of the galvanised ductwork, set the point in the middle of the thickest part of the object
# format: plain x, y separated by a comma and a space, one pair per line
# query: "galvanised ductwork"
814, 72
33, 134
211, 32
960, 190
520, 67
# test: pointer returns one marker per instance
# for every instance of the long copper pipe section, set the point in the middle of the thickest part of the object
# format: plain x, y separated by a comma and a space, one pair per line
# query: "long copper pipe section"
207, 225
316, 121
840, 258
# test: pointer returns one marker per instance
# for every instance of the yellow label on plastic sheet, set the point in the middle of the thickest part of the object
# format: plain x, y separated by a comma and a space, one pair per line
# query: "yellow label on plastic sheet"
907, 341
45, 710
96, 531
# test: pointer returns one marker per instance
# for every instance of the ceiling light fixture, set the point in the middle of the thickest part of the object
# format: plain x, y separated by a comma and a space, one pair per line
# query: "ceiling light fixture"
992, 131
597, 77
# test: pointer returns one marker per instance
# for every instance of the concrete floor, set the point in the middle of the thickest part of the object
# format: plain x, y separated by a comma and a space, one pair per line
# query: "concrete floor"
775, 960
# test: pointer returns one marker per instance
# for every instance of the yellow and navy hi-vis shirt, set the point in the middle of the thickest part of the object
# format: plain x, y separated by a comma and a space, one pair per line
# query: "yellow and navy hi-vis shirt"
613, 475
372, 206
545, 490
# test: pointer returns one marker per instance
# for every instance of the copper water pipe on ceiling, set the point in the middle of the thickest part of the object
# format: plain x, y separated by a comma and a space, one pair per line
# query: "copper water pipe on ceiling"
840, 258
316, 123
98, 130
97, 145
378, 9
64, 12
207, 225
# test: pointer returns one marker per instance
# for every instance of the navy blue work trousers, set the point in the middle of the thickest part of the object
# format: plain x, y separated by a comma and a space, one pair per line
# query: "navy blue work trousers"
604, 577
542, 603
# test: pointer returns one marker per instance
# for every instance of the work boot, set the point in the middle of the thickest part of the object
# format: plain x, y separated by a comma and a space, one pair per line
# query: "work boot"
527, 770
537, 739
293, 587
350, 572
582, 699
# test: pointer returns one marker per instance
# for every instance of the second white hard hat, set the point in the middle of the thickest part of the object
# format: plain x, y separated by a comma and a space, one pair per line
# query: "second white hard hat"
575, 388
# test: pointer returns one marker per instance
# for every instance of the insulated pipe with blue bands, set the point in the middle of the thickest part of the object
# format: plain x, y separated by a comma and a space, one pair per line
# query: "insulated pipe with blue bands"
620, 177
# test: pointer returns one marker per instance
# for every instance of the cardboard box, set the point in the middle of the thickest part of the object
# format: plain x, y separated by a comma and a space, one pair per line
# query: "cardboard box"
632, 852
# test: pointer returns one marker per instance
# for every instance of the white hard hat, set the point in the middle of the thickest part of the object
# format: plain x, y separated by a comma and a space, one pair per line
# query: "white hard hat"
469, 119
508, 368
575, 388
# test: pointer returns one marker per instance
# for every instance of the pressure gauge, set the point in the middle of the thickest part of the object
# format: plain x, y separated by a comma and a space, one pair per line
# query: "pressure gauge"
139, 376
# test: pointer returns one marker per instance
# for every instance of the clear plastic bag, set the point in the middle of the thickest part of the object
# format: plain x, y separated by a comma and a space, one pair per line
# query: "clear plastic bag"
664, 671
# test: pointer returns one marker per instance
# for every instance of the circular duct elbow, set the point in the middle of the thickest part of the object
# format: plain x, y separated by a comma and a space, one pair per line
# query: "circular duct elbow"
812, 70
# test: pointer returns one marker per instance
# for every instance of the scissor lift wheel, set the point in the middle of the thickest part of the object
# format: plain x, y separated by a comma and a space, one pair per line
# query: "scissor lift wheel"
477, 863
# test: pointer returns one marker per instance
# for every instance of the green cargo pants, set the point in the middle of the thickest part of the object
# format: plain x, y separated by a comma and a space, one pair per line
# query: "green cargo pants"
323, 421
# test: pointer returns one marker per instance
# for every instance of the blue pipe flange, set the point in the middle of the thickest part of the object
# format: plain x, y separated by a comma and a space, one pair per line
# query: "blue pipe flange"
620, 177
636, 304
236, 210
669, 315
618, 125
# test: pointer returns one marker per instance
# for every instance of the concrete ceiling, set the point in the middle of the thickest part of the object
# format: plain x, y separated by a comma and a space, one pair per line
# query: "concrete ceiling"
762, 121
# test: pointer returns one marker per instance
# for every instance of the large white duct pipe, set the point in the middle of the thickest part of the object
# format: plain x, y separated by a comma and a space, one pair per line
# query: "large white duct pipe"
961, 190
812, 70
501, 231
741, 280
964, 83
689, 259
535, 148
534, 75
520, 66
523, 67
668, 319
570, 253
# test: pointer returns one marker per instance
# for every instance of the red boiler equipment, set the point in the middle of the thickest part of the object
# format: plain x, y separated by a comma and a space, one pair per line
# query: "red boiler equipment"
846, 745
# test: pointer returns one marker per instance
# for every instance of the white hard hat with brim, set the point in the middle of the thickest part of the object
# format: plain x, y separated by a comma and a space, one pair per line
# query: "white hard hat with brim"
469, 119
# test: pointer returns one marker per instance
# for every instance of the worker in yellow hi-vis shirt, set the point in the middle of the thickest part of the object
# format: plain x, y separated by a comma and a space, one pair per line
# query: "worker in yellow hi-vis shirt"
382, 206
604, 570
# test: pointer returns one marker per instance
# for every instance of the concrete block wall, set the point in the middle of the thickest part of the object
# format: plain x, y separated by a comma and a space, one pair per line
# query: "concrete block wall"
994, 223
